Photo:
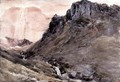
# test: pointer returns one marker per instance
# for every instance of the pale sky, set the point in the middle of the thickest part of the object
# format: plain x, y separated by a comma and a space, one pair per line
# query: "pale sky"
109, 2
26, 3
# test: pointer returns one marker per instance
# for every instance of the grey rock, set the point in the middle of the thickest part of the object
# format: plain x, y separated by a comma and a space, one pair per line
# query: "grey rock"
65, 76
72, 74
86, 72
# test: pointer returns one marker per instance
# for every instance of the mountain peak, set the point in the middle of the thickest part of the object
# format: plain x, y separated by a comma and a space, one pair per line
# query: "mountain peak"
82, 37
83, 44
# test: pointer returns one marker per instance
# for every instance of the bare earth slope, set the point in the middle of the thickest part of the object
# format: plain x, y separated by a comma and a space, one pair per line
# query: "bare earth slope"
11, 72
15, 69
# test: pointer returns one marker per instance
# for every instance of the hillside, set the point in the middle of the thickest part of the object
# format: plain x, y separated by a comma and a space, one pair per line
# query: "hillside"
83, 45
88, 35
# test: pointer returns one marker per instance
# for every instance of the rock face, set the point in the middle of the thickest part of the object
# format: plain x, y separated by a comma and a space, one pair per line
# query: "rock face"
88, 35
81, 46
21, 23
28, 19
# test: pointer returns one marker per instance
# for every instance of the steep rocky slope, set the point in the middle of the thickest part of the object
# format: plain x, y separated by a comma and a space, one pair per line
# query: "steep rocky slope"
83, 45
87, 37
14, 68
11, 72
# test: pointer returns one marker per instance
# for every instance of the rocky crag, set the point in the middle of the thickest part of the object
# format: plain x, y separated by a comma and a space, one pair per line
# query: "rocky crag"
81, 46
87, 37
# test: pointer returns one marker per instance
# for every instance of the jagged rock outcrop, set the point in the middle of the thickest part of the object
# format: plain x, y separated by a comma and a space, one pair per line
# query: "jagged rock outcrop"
81, 46
10, 43
87, 37
14, 42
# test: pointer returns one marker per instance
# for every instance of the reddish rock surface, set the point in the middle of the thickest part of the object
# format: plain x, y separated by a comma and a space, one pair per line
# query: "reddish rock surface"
27, 19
